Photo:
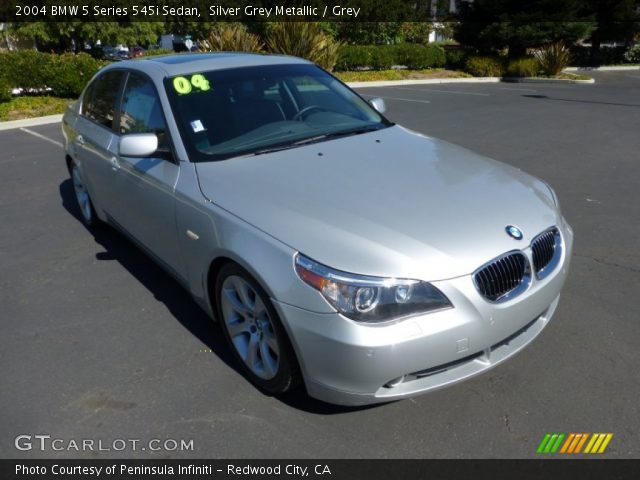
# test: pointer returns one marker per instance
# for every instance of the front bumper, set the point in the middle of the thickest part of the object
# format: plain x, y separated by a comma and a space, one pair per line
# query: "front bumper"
349, 363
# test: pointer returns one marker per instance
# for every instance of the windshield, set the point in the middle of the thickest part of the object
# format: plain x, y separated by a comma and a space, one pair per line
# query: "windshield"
253, 110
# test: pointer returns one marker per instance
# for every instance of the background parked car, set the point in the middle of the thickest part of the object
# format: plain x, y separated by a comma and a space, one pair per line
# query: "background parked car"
137, 52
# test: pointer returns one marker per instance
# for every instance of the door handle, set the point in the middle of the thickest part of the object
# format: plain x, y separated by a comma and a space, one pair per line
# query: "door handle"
115, 165
80, 140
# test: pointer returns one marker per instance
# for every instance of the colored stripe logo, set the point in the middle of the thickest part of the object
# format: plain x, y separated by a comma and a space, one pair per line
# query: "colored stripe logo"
573, 443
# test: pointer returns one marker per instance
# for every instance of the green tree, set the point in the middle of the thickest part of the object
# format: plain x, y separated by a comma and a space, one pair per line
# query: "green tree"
67, 36
491, 25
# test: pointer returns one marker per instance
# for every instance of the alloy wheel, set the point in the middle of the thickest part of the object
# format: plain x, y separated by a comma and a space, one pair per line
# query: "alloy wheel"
250, 327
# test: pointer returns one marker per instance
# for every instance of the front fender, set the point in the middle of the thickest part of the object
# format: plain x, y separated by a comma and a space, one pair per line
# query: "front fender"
207, 232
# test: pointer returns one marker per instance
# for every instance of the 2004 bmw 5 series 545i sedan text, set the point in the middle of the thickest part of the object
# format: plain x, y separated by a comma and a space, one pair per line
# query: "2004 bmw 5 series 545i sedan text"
336, 248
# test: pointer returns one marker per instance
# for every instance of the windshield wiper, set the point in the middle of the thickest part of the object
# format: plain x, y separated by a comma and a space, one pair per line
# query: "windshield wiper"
278, 148
341, 133
310, 140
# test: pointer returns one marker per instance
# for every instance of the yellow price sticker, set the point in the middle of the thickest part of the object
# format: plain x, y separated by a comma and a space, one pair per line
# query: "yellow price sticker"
199, 81
183, 85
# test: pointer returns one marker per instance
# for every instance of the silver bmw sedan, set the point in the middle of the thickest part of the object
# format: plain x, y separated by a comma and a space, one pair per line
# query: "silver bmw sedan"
338, 250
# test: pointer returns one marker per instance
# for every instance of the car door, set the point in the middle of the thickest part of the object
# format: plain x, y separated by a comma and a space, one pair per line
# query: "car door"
145, 186
95, 143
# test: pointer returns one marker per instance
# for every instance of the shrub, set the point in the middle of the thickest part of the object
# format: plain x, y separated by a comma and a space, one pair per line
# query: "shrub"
382, 57
553, 58
485, 66
633, 54
352, 57
5, 90
233, 37
27, 69
70, 73
401, 52
523, 67
421, 56
455, 57
327, 53
36, 72
304, 39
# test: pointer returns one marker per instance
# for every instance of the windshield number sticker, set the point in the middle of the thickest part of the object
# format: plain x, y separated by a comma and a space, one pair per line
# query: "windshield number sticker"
183, 85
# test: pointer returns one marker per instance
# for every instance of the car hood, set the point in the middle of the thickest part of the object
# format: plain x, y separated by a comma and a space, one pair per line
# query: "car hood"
386, 203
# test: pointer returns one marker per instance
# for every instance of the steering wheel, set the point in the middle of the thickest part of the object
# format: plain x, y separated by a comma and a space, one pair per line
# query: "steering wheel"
298, 116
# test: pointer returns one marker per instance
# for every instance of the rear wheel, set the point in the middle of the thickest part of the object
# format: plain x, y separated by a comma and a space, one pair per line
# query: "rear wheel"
254, 331
83, 199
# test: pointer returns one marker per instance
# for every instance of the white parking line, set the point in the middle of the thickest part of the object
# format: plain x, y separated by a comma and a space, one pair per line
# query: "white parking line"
442, 91
36, 134
407, 99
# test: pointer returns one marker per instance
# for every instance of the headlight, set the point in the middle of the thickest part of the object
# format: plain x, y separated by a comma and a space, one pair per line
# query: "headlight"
370, 299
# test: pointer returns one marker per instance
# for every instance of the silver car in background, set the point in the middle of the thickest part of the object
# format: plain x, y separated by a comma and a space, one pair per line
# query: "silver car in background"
336, 249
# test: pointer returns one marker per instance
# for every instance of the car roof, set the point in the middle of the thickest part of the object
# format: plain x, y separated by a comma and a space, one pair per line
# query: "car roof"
184, 63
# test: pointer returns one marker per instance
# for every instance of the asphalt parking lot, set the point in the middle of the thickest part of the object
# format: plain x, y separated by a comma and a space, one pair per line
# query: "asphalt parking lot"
99, 343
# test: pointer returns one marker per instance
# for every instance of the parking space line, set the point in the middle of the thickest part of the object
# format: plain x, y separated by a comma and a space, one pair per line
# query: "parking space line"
442, 91
39, 135
398, 98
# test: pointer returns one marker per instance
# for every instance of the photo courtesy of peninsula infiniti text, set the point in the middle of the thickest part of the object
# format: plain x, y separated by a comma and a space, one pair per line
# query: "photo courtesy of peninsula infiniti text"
339, 251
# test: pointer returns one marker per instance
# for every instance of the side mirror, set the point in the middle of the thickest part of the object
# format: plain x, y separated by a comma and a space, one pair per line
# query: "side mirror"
138, 145
378, 104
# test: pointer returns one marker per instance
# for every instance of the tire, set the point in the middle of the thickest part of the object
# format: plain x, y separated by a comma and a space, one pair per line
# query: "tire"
254, 332
83, 200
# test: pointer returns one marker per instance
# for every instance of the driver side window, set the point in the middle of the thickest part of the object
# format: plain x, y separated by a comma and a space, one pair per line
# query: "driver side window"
141, 111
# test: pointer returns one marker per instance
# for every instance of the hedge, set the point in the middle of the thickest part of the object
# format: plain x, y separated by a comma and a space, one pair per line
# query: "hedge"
456, 56
479, 66
26, 69
381, 57
70, 73
35, 72
5, 90
523, 67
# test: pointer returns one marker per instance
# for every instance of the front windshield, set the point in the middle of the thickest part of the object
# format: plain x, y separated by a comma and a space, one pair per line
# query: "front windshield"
252, 110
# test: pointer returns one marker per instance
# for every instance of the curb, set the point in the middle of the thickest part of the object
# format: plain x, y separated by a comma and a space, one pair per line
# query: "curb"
425, 81
545, 80
30, 122
612, 68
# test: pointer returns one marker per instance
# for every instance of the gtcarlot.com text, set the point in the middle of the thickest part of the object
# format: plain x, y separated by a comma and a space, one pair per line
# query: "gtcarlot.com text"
45, 443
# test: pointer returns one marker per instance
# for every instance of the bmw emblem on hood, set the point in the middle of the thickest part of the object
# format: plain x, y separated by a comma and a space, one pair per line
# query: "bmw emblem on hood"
514, 232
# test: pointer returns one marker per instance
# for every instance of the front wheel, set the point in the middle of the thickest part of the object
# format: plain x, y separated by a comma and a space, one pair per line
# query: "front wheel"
88, 213
254, 331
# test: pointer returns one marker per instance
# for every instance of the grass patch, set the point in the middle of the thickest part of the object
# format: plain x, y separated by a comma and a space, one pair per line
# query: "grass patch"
29, 107
377, 75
